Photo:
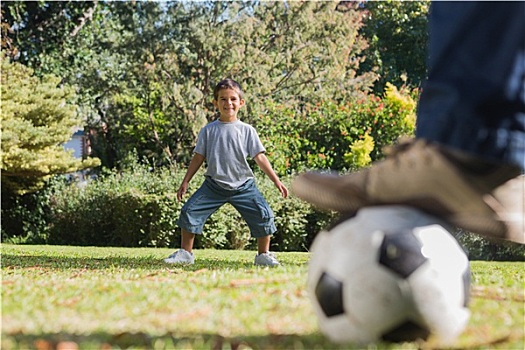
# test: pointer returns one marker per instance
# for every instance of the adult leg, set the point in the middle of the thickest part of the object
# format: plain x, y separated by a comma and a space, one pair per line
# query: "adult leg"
470, 135
474, 98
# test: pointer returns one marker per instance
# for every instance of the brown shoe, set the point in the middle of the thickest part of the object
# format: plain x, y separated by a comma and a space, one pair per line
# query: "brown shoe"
417, 174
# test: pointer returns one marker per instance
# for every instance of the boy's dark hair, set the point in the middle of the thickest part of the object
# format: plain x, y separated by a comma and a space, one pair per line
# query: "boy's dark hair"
227, 84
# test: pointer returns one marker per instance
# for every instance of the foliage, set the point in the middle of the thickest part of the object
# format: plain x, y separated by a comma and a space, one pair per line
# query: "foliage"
317, 62
37, 118
297, 222
39, 28
132, 208
144, 71
129, 299
397, 35
137, 208
360, 152
25, 218
481, 248
321, 136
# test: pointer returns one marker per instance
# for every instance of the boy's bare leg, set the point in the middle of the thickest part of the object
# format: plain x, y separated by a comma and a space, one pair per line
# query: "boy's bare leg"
183, 255
263, 244
187, 239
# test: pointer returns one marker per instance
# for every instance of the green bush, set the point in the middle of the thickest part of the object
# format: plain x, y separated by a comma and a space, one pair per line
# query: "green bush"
325, 135
138, 208
25, 217
481, 248
225, 229
297, 222
135, 207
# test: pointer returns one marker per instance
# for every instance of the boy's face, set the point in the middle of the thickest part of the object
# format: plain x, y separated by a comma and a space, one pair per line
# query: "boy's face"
228, 103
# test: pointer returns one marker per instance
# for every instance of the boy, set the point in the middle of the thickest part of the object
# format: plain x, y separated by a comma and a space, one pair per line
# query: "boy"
225, 144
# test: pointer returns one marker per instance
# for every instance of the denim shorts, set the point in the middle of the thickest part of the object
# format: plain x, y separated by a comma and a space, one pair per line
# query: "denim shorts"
246, 199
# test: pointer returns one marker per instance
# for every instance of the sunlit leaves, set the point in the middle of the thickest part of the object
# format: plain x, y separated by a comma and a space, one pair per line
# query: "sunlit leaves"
37, 118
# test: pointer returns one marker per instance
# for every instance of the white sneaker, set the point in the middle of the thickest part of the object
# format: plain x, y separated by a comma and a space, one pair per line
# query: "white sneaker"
266, 259
181, 256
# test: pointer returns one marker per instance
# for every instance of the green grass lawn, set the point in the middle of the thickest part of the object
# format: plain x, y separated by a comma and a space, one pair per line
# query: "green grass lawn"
104, 298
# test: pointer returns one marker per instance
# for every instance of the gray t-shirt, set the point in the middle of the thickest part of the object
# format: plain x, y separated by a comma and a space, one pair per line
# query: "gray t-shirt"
226, 147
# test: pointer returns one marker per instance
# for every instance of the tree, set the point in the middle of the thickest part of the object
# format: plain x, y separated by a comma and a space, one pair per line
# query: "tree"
291, 53
144, 71
37, 119
284, 51
397, 34
41, 28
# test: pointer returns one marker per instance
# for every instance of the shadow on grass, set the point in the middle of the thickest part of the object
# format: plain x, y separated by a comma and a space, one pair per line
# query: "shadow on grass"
10, 261
168, 341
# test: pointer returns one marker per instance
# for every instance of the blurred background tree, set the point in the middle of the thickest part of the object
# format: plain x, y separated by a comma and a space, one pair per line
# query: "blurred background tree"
397, 35
37, 119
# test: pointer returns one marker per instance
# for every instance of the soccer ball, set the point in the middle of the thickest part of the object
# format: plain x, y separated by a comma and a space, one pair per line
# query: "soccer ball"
390, 273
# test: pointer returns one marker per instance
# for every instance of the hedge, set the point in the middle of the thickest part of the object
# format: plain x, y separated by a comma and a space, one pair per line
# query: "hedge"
138, 208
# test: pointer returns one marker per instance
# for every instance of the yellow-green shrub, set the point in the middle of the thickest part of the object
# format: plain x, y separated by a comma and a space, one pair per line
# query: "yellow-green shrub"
337, 136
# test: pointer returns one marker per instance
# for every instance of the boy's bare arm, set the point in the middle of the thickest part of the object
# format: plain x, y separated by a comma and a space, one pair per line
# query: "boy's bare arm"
266, 167
195, 164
